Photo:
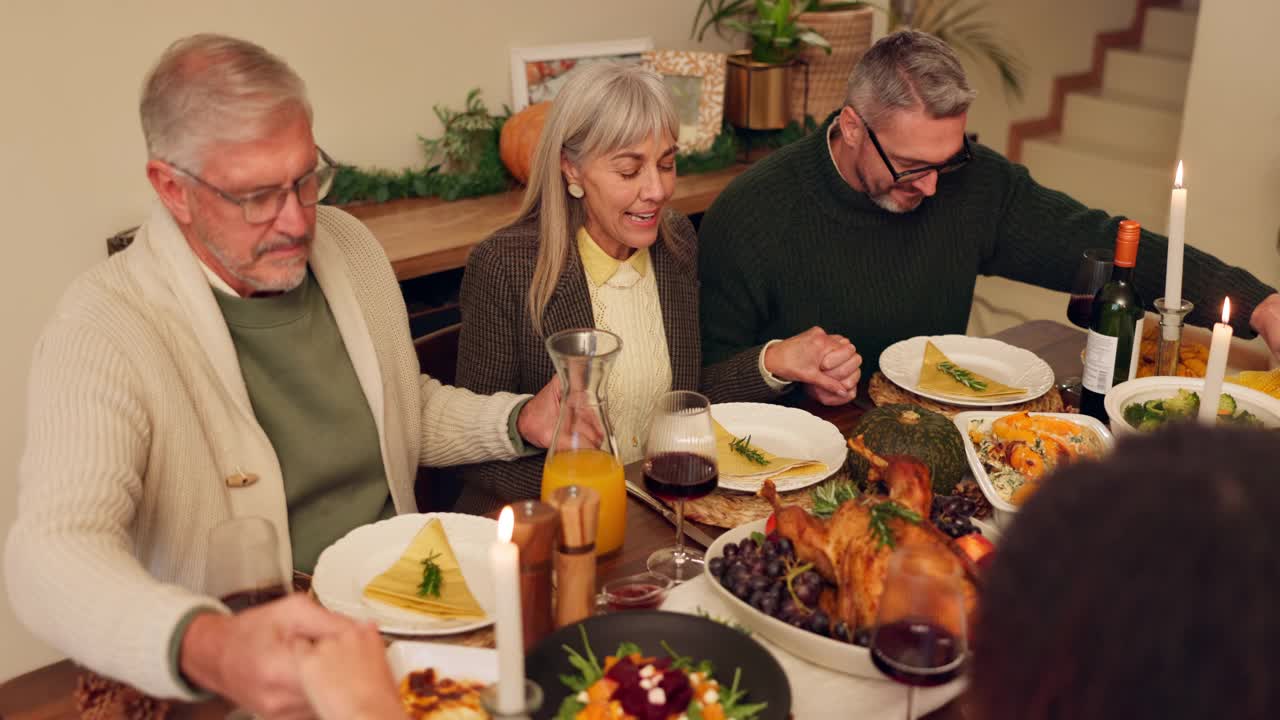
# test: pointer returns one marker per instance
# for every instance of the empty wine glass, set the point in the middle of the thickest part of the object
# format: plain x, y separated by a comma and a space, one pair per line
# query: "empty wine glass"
243, 569
680, 463
920, 637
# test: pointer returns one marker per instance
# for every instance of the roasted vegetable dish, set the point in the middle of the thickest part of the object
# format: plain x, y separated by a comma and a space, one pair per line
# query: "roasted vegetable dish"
1020, 449
632, 686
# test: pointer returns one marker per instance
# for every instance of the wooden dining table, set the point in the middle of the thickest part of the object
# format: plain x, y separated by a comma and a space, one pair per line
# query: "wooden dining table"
47, 693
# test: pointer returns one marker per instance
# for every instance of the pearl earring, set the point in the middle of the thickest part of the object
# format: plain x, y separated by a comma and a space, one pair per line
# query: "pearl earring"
576, 190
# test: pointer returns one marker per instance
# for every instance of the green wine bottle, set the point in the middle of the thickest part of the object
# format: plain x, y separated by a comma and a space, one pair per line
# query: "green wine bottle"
1115, 329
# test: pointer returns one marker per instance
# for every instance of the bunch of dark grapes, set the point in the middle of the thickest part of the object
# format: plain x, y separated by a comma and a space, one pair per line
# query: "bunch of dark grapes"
756, 573
951, 513
969, 489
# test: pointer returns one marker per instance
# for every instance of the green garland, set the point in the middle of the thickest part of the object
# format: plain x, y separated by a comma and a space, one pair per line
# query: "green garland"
490, 176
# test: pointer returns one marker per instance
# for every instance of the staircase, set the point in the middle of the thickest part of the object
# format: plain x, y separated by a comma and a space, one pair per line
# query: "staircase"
1111, 142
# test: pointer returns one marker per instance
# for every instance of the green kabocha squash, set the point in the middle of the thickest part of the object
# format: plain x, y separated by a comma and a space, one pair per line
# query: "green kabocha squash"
911, 430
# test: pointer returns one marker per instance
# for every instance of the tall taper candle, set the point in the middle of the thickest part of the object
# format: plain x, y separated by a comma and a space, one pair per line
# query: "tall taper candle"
504, 563
1177, 234
1216, 368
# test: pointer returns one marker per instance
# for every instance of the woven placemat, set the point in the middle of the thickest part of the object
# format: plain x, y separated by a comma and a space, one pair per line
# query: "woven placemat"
729, 509
883, 392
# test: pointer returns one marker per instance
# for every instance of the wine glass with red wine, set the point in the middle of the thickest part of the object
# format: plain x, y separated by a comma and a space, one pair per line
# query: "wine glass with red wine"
680, 464
1093, 272
244, 569
920, 637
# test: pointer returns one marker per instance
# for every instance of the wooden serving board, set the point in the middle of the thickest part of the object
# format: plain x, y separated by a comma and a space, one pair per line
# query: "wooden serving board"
883, 391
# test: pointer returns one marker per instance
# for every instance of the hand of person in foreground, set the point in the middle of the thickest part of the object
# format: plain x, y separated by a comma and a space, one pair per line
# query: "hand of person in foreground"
248, 658
1266, 320
346, 676
828, 365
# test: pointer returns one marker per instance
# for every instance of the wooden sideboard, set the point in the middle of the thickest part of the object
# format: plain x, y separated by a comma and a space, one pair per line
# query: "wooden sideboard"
428, 235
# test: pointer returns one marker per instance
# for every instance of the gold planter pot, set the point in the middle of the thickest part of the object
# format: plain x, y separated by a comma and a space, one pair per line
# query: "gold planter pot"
757, 95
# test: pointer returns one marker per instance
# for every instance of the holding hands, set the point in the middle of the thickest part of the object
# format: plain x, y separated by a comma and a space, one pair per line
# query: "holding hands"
346, 676
828, 365
249, 658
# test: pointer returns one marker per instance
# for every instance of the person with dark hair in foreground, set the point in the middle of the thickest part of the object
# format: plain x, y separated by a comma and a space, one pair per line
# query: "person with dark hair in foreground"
1145, 586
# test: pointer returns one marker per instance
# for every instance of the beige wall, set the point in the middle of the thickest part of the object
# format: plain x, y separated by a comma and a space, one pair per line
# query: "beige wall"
1231, 136
72, 153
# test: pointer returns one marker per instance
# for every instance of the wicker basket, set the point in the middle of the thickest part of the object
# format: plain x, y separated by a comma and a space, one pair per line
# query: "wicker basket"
849, 32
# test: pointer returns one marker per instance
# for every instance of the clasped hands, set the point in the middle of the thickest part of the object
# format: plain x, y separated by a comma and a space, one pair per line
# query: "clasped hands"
828, 365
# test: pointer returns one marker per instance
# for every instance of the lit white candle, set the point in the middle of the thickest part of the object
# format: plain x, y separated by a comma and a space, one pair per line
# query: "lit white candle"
1216, 367
504, 563
1177, 233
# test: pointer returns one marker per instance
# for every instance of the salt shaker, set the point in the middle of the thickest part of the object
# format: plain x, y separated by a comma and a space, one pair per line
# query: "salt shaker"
576, 552
536, 530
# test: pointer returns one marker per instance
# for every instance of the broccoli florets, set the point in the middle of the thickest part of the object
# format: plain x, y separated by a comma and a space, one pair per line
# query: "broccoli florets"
1185, 404
1226, 404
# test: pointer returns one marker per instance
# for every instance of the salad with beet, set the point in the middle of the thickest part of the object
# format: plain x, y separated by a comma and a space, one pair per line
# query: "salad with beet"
629, 685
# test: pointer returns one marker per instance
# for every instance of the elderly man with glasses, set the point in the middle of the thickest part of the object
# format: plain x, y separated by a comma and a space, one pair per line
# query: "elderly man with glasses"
877, 228
248, 355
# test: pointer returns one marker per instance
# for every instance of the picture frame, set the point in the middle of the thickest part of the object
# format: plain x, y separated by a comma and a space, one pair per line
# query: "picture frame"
538, 72
697, 81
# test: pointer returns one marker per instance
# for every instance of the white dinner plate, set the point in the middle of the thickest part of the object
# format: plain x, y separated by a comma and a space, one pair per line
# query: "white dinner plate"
347, 566
785, 432
456, 662
1000, 361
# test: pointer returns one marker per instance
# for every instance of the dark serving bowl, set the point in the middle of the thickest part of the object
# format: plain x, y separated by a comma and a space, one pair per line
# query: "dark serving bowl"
689, 635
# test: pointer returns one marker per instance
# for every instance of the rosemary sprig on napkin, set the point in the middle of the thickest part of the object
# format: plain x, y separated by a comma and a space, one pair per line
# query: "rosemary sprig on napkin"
742, 446
432, 578
962, 376
879, 523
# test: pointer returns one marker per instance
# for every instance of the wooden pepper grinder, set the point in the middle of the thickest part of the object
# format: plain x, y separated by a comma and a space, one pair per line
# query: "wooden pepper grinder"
535, 533
576, 555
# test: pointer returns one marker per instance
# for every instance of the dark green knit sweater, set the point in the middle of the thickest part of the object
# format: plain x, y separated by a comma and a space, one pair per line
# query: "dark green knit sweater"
789, 245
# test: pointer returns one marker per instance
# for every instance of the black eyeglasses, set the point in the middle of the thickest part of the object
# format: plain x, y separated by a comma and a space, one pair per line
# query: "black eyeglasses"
265, 205
954, 163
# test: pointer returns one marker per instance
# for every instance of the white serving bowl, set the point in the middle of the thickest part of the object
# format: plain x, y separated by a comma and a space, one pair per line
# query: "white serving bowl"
1126, 393
984, 419
834, 654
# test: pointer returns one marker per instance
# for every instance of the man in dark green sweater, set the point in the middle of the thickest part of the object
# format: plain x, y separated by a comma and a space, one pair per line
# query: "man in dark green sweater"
877, 228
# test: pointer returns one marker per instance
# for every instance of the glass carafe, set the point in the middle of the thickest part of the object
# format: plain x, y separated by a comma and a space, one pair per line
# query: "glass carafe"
583, 451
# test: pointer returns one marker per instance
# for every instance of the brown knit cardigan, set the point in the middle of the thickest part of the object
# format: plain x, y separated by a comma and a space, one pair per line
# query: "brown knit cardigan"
499, 350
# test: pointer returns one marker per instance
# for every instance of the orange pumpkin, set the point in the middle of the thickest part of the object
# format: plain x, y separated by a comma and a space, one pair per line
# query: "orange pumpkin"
520, 138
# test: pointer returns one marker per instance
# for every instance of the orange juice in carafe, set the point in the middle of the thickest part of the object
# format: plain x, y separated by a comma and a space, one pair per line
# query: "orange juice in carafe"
582, 449
600, 471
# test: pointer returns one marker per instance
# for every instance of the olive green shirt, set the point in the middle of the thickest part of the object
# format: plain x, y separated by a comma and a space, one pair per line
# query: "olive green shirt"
308, 400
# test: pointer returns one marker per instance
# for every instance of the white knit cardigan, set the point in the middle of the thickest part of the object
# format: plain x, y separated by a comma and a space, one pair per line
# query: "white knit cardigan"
138, 413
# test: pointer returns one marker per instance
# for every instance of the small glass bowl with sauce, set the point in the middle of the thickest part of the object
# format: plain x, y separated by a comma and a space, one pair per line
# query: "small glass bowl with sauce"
644, 591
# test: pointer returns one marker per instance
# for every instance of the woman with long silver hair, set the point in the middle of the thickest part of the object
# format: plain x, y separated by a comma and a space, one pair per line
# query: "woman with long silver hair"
595, 245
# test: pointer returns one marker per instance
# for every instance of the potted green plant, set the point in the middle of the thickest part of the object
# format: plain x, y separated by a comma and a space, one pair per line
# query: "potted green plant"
757, 84
962, 25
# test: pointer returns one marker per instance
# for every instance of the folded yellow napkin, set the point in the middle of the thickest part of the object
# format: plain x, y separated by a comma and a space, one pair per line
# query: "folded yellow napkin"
398, 585
940, 375
736, 465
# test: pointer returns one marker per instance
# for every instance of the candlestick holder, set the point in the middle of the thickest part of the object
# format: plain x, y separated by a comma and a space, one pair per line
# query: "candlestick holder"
1170, 341
532, 702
